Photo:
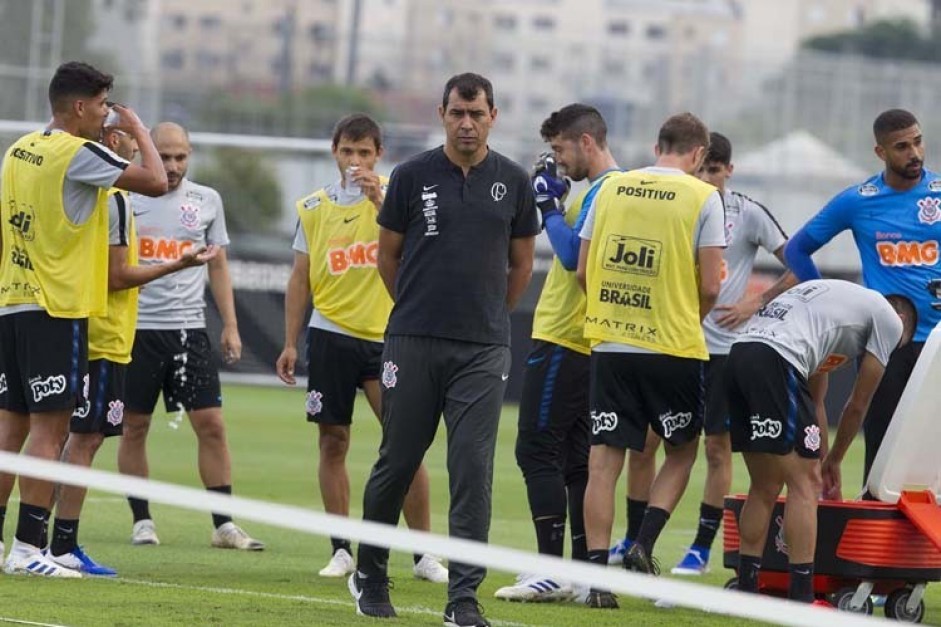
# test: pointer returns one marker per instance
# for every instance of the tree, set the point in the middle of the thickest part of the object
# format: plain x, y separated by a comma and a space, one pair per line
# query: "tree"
309, 112
884, 39
249, 189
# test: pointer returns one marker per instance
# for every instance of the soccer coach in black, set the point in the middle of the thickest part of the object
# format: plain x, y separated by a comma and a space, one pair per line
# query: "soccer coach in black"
456, 244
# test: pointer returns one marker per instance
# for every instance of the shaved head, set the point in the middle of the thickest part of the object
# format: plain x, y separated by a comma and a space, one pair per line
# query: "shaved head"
173, 144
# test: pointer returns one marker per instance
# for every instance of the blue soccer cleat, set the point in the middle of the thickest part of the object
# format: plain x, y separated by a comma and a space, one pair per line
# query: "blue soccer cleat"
77, 559
616, 552
694, 563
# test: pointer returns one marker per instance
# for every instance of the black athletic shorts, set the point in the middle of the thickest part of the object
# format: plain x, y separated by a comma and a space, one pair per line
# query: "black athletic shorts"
181, 364
336, 365
554, 426
717, 404
769, 404
631, 391
102, 410
43, 361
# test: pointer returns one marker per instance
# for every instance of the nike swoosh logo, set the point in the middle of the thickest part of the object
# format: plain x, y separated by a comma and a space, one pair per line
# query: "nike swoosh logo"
35, 517
504, 376
138, 213
428, 188
348, 220
647, 182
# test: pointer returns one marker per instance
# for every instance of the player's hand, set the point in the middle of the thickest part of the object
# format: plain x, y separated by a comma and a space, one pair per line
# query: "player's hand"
549, 187
832, 481
369, 182
231, 344
285, 365
198, 257
128, 120
731, 316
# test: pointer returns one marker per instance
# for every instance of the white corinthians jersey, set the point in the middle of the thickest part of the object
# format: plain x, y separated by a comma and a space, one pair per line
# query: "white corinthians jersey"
748, 227
185, 219
822, 325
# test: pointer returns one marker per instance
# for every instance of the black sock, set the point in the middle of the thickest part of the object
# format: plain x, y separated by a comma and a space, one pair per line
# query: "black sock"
599, 557
576, 499
30, 524
654, 521
64, 536
44, 536
709, 520
635, 516
340, 543
3, 517
220, 519
140, 508
748, 568
550, 535
801, 587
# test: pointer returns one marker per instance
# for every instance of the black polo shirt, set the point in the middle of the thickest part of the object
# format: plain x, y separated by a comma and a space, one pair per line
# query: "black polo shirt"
453, 277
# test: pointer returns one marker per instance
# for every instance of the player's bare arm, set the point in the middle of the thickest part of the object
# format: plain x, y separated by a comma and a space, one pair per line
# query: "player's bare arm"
122, 276
818, 383
296, 298
581, 272
220, 283
520, 271
709, 259
389, 257
867, 380
149, 178
731, 316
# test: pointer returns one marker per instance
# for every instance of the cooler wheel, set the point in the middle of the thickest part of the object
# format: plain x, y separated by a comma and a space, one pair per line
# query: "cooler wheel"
843, 596
731, 584
895, 607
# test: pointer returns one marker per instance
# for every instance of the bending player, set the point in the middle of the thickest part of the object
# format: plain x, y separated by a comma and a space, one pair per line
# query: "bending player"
776, 377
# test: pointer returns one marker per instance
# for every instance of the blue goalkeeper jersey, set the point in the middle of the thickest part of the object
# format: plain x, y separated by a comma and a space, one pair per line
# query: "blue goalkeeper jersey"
897, 234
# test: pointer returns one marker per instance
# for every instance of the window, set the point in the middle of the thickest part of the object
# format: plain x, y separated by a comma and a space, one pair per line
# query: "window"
538, 64
613, 67
176, 21
505, 22
619, 29
319, 71
503, 61
172, 60
320, 32
210, 22
207, 60
543, 22
656, 31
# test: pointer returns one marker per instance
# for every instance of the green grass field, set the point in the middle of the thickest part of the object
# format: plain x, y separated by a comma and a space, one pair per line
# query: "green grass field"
185, 582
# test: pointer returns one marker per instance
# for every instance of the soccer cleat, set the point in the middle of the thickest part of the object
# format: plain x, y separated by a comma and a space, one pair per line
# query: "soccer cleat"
601, 600
694, 563
371, 595
430, 569
465, 613
25, 559
77, 559
637, 560
340, 565
824, 604
616, 552
535, 589
144, 532
231, 536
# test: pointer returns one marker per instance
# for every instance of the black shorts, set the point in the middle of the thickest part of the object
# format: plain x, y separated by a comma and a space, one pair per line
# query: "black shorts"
554, 426
181, 364
336, 365
631, 391
43, 361
102, 410
717, 403
770, 407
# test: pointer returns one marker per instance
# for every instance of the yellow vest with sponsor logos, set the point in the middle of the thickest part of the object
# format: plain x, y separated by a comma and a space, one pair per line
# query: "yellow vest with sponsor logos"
111, 337
47, 259
643, 284
343, 243
560, 313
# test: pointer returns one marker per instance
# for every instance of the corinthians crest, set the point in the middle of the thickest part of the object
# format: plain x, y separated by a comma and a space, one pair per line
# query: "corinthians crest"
189, 216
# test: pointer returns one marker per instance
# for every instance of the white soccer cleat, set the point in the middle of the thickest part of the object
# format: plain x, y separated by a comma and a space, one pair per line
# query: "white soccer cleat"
430, 569
535, 589
144, 532
340, 565
25, 559
231, 536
